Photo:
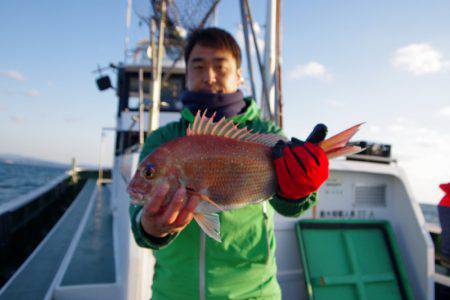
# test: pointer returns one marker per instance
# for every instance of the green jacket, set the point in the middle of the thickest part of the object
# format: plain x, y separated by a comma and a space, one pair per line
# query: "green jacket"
191, 265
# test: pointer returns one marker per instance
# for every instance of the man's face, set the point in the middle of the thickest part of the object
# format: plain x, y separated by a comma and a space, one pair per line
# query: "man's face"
212, 70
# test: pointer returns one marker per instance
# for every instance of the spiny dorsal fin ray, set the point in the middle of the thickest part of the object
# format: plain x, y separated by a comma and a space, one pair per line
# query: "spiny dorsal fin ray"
209, 123
203, 125
333, 147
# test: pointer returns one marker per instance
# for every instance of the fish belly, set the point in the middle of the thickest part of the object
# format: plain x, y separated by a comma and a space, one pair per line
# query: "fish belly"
232, 173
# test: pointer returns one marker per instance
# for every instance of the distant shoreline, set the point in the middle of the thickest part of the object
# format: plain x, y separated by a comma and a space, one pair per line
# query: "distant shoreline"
26, 163
9, 159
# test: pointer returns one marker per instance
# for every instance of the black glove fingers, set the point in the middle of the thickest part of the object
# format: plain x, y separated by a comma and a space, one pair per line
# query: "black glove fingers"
277, 150
318, 134
297, 142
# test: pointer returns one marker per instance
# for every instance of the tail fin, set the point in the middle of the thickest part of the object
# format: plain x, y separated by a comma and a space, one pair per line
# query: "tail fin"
336, 145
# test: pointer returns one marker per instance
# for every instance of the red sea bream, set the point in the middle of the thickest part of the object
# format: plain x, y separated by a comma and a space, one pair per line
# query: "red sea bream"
225, 166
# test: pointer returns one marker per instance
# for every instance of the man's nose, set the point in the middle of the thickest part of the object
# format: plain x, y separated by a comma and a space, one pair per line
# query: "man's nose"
210, 76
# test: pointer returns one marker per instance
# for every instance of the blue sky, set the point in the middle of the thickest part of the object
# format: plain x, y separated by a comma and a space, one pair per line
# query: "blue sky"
386, 63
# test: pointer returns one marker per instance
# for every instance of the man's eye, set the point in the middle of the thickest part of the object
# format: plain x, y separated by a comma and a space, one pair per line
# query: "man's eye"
198, 67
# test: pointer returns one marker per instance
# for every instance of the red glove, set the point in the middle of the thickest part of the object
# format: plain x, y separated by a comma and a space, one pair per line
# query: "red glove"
301, 167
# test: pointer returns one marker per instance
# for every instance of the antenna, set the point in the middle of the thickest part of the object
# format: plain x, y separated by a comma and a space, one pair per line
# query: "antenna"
127, 26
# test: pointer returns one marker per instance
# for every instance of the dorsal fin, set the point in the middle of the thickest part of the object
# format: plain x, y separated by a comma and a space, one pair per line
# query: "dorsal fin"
204, 125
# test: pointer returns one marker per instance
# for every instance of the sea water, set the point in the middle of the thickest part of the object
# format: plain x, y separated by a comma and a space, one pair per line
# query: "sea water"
19, 179
430, 213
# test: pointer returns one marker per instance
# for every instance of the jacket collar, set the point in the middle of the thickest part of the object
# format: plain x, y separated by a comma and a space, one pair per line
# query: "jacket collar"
252, 112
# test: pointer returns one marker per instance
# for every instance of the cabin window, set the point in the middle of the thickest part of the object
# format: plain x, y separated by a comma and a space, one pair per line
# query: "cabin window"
133, 103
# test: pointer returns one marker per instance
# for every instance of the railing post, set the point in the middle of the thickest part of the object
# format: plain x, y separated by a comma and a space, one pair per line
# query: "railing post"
74, 172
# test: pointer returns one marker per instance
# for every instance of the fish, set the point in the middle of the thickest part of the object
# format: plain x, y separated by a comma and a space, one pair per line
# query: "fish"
225, 166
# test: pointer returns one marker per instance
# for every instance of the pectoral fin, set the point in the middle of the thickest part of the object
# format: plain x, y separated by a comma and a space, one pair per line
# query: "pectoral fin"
203, 195
210, 224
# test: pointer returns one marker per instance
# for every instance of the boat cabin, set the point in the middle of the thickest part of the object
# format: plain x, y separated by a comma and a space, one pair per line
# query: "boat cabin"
128, 90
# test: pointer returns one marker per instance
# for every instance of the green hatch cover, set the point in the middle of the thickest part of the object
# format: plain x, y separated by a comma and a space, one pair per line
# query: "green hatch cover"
351, 259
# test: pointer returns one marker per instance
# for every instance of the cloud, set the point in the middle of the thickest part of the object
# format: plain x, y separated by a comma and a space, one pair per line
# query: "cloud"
29, 93
50, 83
312, 69
421, 150
72, 119
334, 103
410, 136
445, 111
396, 128
401, 120
12, 75
400, 125
429, 138
33, 93
2, 108
374, 129
259, 39
419, 59
17, 119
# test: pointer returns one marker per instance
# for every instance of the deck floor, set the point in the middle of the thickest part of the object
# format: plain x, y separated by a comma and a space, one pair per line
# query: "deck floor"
34, 280
93, 260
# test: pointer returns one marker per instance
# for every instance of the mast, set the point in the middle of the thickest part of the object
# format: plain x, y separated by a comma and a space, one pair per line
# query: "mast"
244, 17
278, 81
127, 33
154, 71
270, 61
265, 93
141, 106
270, 68
157, 63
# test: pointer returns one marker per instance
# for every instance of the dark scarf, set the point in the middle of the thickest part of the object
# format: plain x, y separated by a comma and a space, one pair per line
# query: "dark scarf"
225, 105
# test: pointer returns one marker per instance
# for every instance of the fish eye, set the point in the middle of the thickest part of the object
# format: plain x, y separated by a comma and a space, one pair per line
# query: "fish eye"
149, 171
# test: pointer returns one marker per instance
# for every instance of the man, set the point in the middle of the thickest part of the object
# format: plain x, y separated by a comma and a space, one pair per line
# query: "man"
444, 218
190, 265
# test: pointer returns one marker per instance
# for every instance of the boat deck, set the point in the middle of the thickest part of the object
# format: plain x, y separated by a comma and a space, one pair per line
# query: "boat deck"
79, 248
93, 260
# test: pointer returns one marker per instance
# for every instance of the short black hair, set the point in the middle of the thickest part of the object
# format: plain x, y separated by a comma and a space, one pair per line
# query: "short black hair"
215, 38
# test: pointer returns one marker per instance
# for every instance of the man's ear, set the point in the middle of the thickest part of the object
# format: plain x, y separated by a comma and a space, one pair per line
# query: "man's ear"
239, 76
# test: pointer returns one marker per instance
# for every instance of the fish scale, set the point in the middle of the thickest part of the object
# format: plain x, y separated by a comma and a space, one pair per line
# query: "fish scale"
230, 172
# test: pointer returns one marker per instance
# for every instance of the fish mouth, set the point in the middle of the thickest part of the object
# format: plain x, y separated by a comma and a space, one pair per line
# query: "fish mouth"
136, 197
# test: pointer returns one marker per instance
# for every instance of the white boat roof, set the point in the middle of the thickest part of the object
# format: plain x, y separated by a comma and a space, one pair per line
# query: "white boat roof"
366, 167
